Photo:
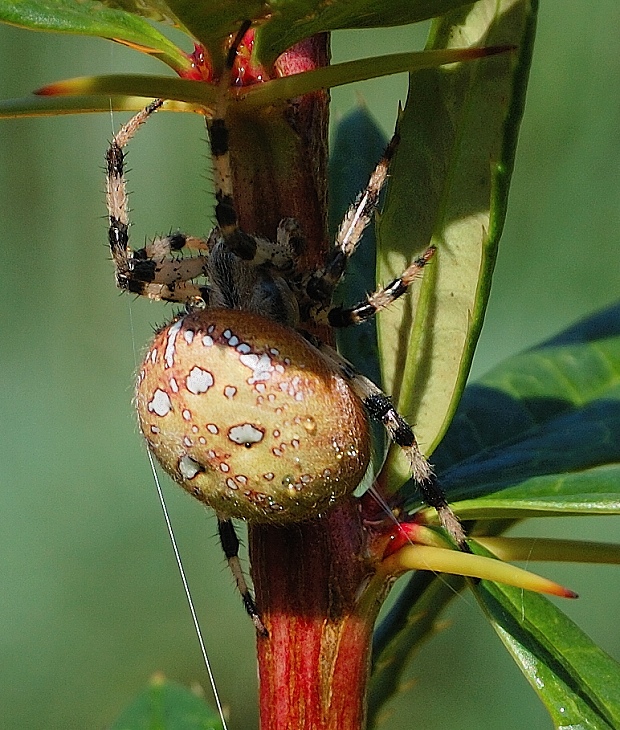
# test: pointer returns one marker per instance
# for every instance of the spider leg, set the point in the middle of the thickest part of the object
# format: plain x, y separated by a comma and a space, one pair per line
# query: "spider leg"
230, 546
225, 213
382, 298
280, 254
147, 271
380, 409
320, 286
116, 193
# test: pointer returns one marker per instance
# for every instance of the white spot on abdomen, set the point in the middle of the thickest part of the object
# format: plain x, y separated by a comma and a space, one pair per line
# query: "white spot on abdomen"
245, 433
198, 380
160, 405
170, 343
188, 468
261, 367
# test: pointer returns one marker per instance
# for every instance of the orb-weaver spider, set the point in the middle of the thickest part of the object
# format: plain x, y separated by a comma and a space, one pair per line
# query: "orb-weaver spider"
245, 409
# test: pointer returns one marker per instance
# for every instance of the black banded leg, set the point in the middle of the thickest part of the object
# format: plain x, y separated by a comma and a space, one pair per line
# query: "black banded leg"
116, 192
320, 286
225, 212
150, 271
281, 254
230, 546
382, 298
162, 246
380, 409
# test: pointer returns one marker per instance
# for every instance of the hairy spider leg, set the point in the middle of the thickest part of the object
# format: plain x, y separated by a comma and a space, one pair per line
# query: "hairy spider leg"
380, 409
230, 546
147, 271
320, 285
367, 308
281, 254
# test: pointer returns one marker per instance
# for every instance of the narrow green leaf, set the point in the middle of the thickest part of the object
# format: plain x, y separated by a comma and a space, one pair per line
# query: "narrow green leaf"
88, 17
167, 706
575, 679
412, 620
43, 106
263, 94
449, 187
540, 434
349, 72
146, 86
290, 21
533, 549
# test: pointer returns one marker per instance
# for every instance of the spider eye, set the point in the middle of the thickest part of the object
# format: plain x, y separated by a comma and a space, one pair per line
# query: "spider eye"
217, 380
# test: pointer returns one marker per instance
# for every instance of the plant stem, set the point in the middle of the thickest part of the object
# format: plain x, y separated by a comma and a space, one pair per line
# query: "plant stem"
308, 578
314, 666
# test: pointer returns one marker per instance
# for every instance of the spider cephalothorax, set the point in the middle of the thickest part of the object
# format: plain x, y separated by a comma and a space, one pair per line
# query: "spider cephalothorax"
241, 406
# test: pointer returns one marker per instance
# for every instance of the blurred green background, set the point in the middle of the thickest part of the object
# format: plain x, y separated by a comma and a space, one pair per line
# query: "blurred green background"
90, 600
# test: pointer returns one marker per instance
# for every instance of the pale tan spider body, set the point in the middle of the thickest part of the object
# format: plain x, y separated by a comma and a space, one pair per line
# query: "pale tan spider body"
250, 418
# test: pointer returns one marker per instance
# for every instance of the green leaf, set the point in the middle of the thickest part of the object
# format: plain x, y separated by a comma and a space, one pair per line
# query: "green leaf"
575, 679
412, 620
167, 706
269, 92
44, 106
540, 434
449, 187
573, 369
327, 77
88, 17
527, 550
290, 21
282, 23
146, 86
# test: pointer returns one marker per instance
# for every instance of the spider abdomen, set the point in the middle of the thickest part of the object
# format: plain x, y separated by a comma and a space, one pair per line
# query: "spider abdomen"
249, 418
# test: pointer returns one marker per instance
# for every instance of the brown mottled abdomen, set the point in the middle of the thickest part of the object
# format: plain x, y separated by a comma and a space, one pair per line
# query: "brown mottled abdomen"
249, 418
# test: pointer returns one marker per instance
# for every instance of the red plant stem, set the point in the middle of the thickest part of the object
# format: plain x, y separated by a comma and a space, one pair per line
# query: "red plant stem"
308, 578
279, 158
313, 668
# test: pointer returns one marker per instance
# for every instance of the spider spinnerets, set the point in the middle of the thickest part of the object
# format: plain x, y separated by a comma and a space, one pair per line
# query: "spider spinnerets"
244, 409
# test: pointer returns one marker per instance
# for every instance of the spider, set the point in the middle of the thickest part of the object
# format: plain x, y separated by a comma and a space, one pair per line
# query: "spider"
247, 411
